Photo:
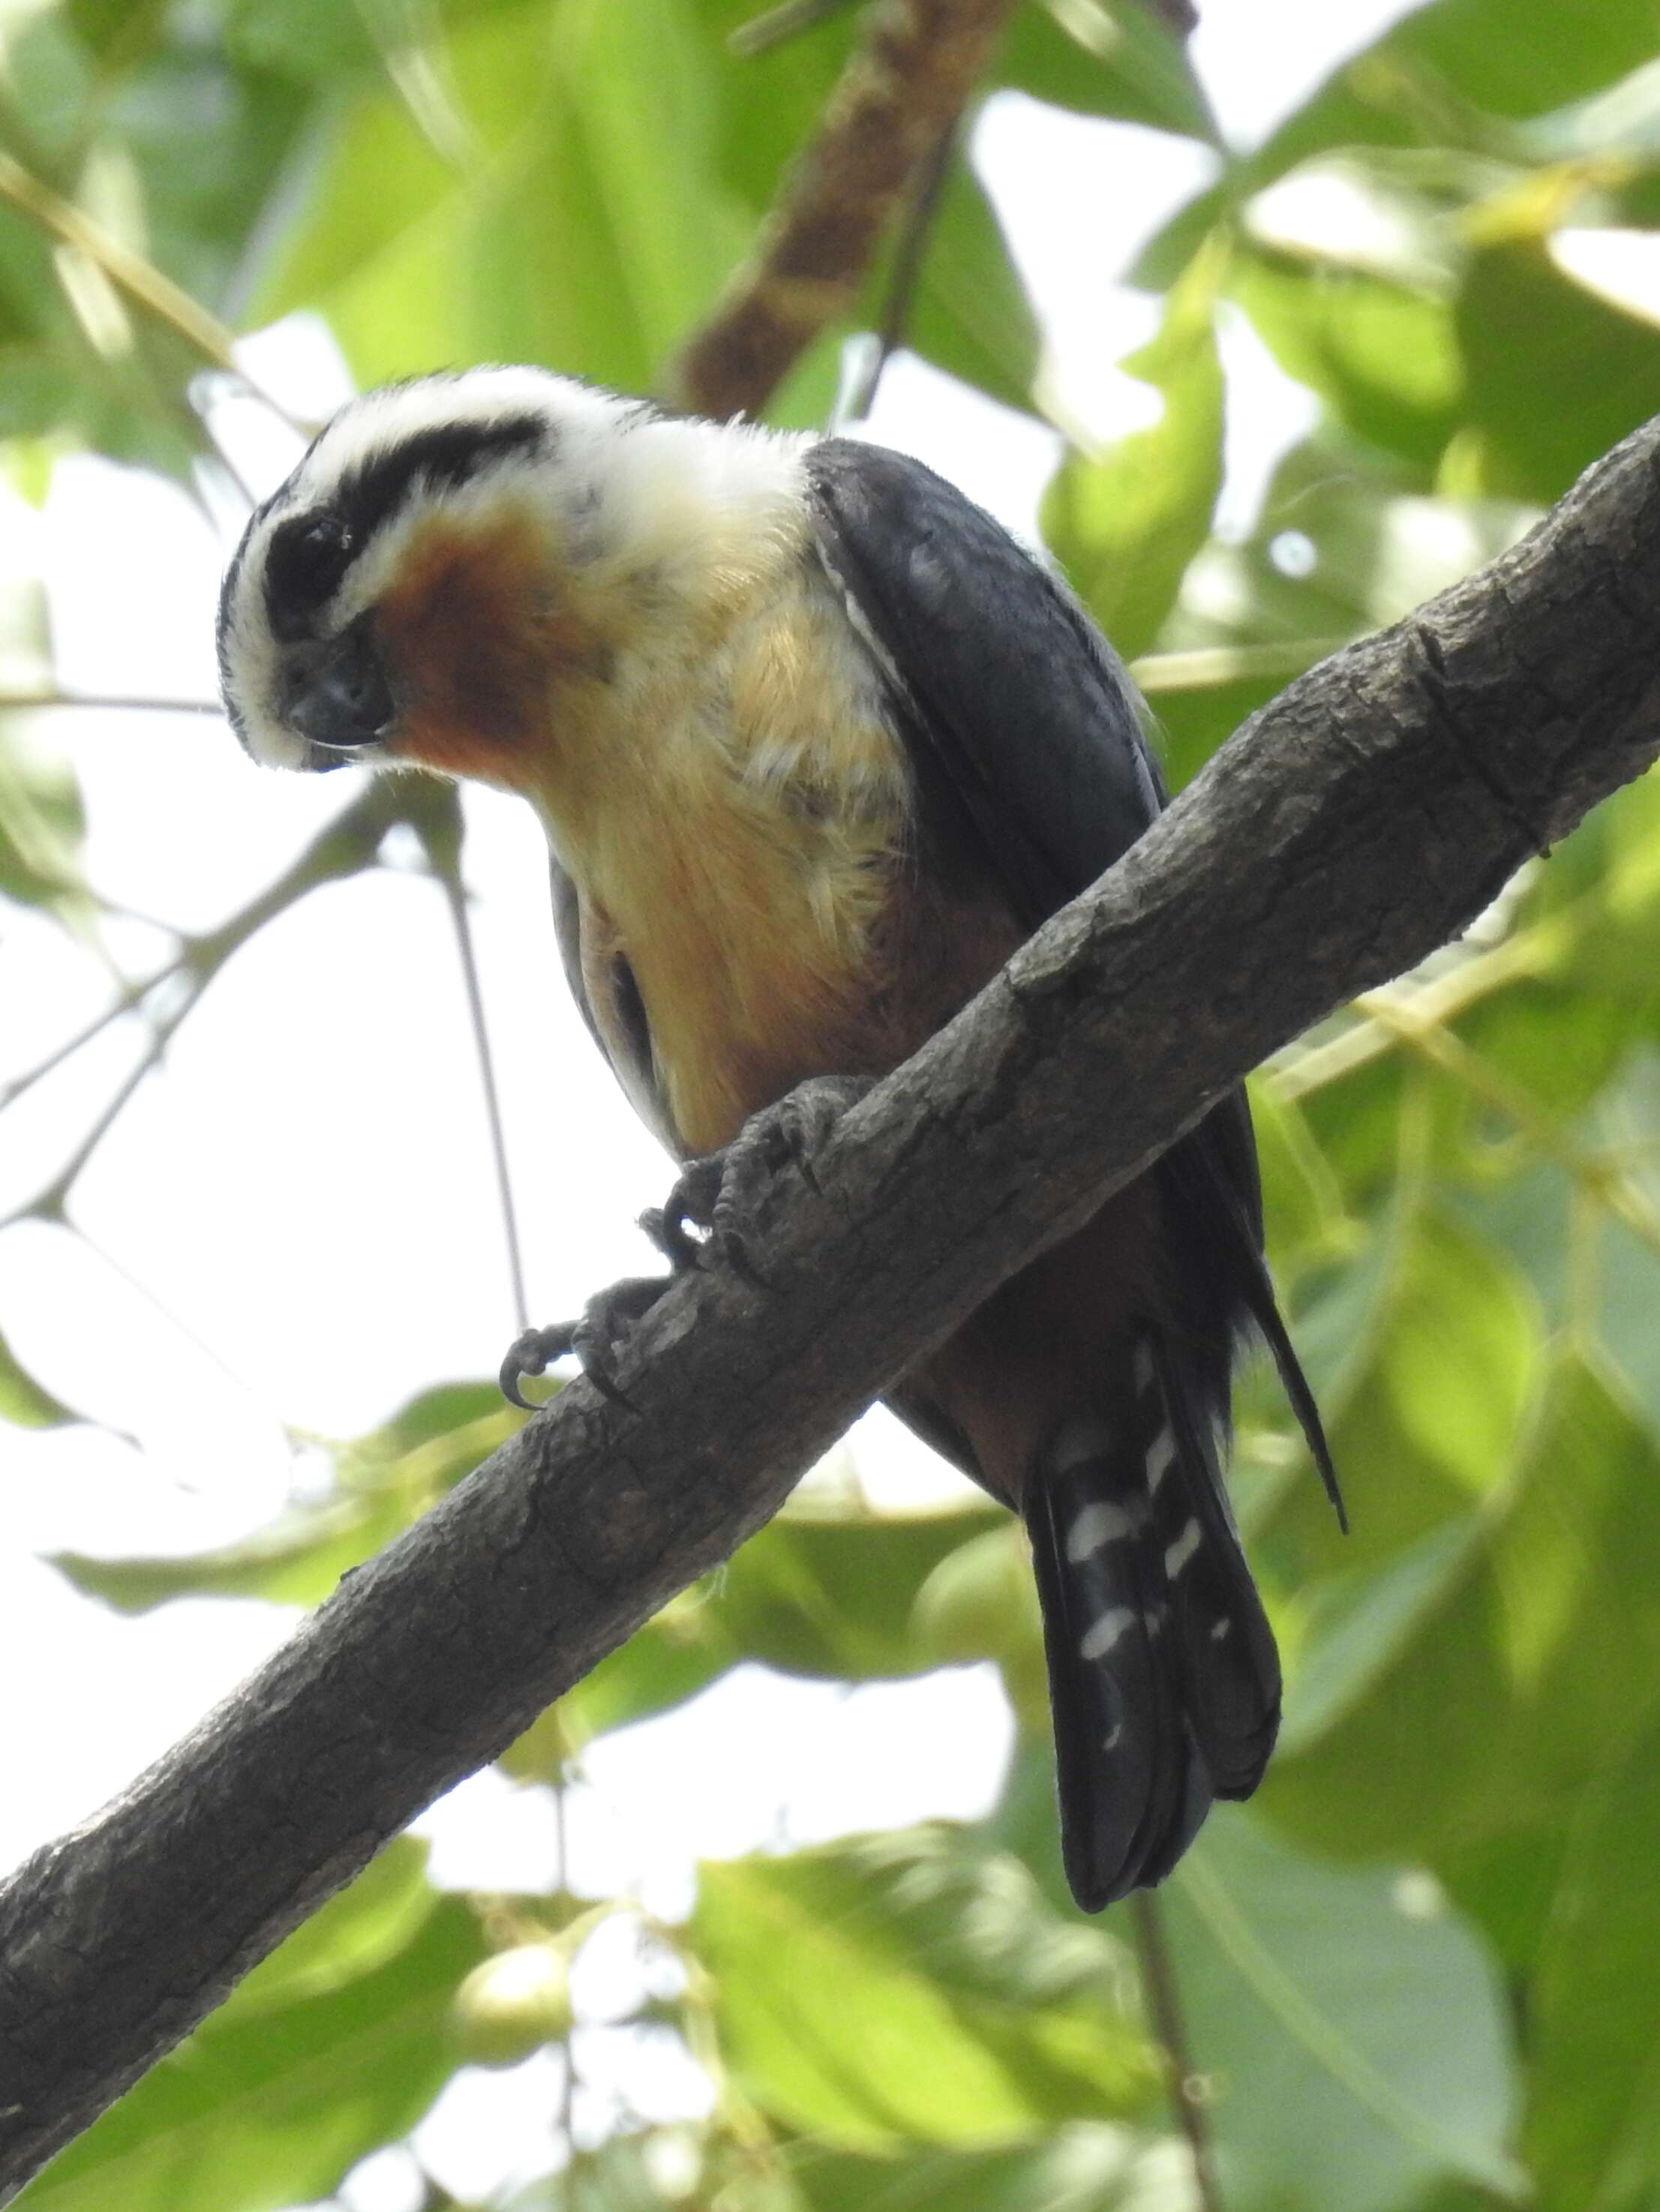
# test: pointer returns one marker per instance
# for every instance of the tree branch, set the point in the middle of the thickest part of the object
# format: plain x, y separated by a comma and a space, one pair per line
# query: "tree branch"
904, 86
1354, 824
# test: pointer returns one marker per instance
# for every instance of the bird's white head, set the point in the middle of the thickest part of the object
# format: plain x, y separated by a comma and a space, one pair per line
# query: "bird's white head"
451, 553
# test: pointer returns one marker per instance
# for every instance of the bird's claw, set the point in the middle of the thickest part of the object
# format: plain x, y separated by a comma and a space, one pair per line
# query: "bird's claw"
712, 1196
594, 1340
716, 1194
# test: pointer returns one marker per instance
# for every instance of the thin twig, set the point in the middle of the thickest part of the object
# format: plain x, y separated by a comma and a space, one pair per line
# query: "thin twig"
907, 268
568, 2081
141, 279
1165, 2002
129, 703
1530, 952
173, 1319
131, 996
1208, 667
1600, 1177
343, 848
762, 33
48, 1203
455, 898
906, 82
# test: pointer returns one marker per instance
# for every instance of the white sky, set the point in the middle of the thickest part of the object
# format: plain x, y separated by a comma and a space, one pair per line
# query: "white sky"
306, 1188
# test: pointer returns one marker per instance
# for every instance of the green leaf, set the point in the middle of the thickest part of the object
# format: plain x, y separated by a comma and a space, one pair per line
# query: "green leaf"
637, 112
585, 229
303, 38
246, 127
449, 1416
1593, 2127
362, 1929
386, 1480
1435, 83
1303, 1205
1384, 355
1349, 2026
271, 2104
1527, 330
1125, 523
297, 1560
1355, 1625
1119, 62
22, 1401
828, 1596
838, 1968
836, 1596
970, 315
1445, 71
1344, 545
117, 31
1079, 2168
770, 104
1544, 1620
44, 91
1429, 1416
1519, 57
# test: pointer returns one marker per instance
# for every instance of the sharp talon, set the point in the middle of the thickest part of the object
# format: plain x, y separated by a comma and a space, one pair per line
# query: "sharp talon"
600, 1376
530, 1354
594, 1341
731, 1252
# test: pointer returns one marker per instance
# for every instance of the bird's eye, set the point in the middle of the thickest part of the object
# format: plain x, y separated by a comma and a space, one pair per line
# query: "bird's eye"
308, 557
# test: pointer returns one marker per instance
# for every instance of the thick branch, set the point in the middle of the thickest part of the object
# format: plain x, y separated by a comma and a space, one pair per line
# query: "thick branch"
904, 86
1357, 822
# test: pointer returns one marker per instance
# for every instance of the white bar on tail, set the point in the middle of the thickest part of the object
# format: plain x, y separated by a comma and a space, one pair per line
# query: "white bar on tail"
1103, 1634
1178, 1554
1161, 1457
1103, 1523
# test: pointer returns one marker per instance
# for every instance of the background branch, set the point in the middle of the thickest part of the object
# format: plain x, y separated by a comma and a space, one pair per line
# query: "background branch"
1163, 1999
904, 86
1358, 822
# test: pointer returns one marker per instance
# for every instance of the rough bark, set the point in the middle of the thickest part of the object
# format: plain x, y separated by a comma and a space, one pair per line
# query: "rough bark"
904, 86
1359, 821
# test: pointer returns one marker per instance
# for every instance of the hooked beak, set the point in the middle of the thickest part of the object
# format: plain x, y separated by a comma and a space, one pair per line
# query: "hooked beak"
335, 691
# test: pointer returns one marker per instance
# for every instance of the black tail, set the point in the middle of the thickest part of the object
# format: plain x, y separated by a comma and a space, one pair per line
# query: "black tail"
1163, 1672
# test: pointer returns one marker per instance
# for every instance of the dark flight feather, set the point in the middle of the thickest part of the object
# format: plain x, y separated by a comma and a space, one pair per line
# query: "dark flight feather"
1026, 738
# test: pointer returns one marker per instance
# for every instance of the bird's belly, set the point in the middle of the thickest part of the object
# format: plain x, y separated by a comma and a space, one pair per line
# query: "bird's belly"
758, 962
742, 831
764, 953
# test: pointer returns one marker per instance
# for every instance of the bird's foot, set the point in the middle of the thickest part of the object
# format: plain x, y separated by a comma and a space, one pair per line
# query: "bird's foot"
700, 1219
594, 1340
716, 1194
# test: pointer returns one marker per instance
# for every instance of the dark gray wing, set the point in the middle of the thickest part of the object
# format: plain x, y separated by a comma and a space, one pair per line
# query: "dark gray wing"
568, 935
1026, 734
618, 1026
1017, 700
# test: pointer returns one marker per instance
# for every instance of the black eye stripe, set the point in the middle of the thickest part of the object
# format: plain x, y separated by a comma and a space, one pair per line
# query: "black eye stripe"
308, 557
443, 458
310, 552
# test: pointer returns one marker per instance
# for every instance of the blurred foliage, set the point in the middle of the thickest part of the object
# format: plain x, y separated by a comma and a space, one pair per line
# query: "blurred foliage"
1418, 1973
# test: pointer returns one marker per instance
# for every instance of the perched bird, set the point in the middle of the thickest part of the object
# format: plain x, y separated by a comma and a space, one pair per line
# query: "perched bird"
816, 746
